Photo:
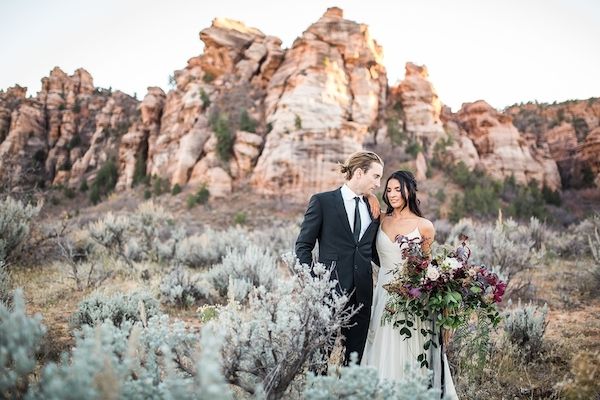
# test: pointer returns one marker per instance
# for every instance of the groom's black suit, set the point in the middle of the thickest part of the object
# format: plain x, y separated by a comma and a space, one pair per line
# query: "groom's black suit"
326, 221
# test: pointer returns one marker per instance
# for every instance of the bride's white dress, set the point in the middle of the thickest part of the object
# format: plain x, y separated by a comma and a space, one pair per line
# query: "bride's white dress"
386, 349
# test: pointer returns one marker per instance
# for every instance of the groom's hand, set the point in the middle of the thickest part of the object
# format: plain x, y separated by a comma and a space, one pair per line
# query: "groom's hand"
374, 205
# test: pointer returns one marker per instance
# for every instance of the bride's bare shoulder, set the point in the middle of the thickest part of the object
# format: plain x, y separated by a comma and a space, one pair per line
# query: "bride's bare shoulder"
426, 226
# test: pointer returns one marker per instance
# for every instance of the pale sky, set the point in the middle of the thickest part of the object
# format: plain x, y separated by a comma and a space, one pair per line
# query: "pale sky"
501, 51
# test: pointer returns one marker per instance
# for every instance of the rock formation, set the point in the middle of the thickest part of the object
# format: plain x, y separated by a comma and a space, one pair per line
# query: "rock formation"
320, 103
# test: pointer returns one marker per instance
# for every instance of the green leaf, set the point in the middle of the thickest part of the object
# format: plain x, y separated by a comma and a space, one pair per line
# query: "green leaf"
475, 289
406, 332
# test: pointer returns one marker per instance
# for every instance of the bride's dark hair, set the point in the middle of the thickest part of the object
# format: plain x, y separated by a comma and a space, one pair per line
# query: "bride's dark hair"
408, 191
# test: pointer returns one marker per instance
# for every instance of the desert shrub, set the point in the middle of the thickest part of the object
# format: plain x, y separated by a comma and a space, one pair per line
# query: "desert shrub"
5, 285
105, 181
584, 383
139, 170
205, 99
111, 233
15, 220
117, 308
356, 382
160, 185
241, 270
551, 196
442, 230
297, 122
176, 189
84, 186
247, 123
525, 326
155, 362
20, 338
523, 200
499, 247
182, 289
413, 147
582, 231
200, 197
135, 237
240, 218
222, 130
280, 330
210, 247
396, 132
595, 268
146, 225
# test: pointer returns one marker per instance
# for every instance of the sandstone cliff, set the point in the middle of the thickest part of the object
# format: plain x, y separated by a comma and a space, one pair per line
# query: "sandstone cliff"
248, 112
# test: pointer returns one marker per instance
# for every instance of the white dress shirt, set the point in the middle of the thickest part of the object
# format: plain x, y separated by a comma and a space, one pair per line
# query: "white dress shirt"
349, 203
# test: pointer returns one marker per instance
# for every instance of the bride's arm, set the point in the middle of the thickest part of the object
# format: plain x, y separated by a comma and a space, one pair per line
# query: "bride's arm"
428, 234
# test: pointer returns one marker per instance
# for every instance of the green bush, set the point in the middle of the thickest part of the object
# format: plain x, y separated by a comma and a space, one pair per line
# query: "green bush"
240, 218
74, 142
201, 197
208, 77
84, 186
220, 126
413, 147
551, 196
139, 170
205, 99
176, 189
246, 123
395, 132
160, 185
581, 128
105, 181
298, 122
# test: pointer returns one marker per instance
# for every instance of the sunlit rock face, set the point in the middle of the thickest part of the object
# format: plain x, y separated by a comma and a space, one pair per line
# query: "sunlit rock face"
503, 151
320, 105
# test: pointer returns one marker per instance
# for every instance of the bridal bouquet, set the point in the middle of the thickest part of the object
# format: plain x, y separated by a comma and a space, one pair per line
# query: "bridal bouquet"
444, 288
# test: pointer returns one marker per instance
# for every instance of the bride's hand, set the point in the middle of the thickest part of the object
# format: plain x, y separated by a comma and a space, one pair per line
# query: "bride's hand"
374, 204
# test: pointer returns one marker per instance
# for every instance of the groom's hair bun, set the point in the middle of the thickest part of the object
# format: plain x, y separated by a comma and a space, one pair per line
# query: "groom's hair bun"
360, 159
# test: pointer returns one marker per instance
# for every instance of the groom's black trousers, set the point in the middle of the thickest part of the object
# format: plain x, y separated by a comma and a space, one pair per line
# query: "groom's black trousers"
356, 335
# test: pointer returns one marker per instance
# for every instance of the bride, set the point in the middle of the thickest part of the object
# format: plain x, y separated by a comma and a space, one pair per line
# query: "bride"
386, 349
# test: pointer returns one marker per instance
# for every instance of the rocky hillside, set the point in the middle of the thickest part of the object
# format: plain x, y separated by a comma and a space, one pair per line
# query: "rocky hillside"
572, 132
247, 112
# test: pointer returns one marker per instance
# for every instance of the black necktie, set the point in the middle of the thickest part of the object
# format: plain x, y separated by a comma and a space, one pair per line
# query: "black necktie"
356, 220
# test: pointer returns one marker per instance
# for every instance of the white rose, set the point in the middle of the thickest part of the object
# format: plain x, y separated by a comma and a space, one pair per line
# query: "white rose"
432, 273
454, 263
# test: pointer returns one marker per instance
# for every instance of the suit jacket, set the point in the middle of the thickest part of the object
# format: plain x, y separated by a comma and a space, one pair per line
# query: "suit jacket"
326, 221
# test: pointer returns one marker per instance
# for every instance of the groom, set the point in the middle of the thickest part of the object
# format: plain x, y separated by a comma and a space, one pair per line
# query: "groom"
341, 221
